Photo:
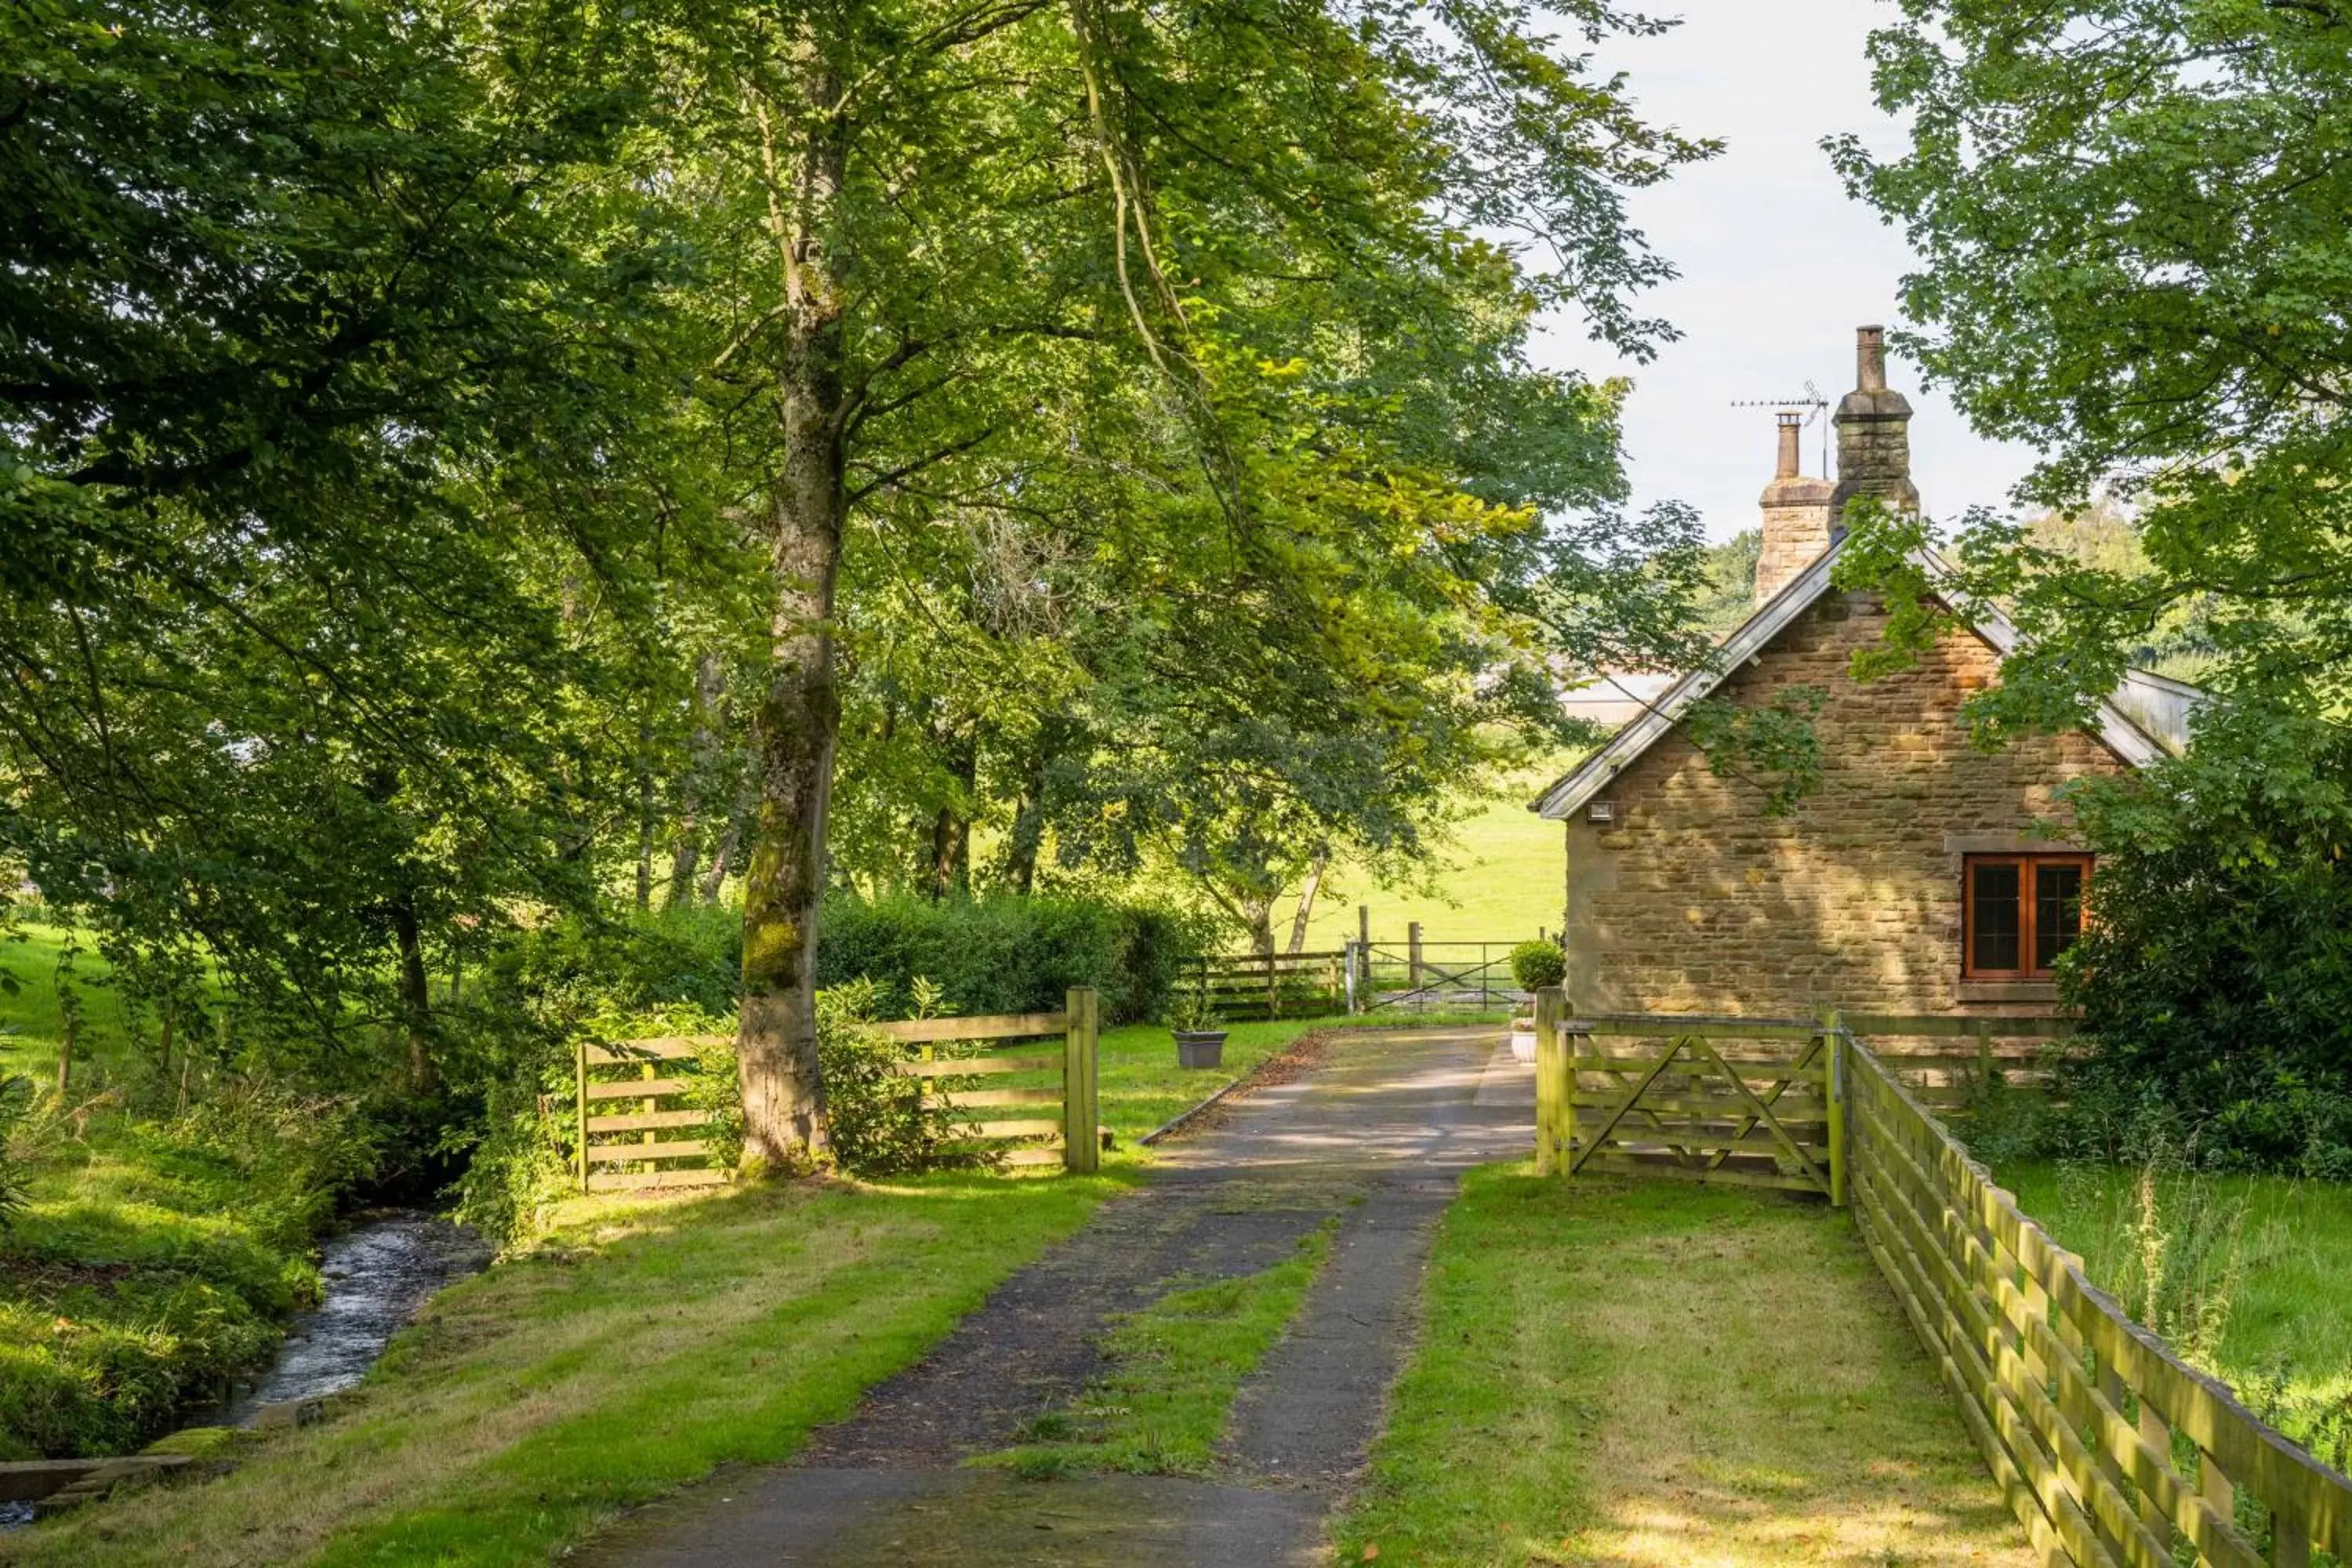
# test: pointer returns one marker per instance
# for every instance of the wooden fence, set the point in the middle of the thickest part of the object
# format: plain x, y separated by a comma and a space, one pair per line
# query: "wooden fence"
1271, 984
2112, 1451
651, 1083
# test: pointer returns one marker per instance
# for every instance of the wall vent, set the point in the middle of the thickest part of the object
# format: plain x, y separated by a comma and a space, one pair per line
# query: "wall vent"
1599, 811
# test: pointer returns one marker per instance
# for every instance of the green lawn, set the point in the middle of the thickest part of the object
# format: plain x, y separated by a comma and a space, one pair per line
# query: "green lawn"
2265, 1262
1651, 1375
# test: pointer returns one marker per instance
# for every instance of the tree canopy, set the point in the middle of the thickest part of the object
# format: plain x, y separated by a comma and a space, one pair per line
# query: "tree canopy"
2133, 258
463, 464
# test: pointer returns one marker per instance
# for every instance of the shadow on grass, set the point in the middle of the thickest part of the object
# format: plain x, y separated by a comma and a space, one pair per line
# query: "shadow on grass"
1652, 1374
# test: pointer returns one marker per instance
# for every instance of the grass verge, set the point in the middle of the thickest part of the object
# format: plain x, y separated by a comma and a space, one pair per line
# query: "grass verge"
638, 1348
1651, 1374
1177, 1366
2249, 1277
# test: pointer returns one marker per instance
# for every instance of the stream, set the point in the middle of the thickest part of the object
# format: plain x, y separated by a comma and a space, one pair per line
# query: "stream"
377, 1274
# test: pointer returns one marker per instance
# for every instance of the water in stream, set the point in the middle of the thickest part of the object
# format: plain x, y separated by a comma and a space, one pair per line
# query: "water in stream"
377, 1274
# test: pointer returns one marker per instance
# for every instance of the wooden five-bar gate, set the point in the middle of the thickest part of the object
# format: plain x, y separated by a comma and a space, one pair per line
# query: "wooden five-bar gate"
636, 1097
2112, 1451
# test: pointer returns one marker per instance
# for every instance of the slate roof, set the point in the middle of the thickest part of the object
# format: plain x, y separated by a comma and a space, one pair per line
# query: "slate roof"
2142, 721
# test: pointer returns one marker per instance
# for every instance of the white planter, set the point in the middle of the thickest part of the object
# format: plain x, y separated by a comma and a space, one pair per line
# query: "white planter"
1523, 1040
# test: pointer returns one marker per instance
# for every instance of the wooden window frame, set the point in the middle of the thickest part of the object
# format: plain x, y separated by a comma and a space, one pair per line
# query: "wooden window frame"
2028, 865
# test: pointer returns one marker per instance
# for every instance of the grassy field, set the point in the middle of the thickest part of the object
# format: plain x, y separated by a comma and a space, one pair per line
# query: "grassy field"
2249, 1277
29, 1018
1502, 882
644, 1344
1655, 1374
157, 1249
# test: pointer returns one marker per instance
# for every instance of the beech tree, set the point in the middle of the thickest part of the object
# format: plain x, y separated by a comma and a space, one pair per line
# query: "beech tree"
945, 229
317, 418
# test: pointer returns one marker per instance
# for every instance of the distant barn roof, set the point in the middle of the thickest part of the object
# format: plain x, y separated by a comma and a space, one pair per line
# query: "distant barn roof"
2144, 718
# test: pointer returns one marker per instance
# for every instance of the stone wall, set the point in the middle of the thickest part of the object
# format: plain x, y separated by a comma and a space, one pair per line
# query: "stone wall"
1796, 534
1693, 899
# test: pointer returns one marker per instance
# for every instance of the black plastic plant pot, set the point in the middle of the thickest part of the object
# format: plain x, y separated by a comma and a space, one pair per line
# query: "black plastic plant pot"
1200, 1047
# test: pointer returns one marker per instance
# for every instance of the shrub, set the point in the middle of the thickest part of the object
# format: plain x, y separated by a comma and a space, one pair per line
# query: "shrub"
879, 1123
1535, 964
1009, 953
2216, 982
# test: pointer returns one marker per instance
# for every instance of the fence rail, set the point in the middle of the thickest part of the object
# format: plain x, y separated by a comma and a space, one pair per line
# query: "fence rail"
1272, 985
2112, 1451
625, 1149
2110, 1448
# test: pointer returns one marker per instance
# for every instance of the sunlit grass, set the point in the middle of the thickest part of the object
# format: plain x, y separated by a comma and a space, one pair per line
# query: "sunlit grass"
1175, 1368
644, 1344
1656, 1374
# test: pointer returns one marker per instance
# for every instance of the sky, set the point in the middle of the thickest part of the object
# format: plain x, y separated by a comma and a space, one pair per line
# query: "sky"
1778, 265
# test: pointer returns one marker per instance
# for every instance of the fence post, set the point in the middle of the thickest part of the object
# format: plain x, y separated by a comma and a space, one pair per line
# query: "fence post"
1413, 954
580, 1135
1081, 1148
1833, 1085
1551, 1079
1353, 952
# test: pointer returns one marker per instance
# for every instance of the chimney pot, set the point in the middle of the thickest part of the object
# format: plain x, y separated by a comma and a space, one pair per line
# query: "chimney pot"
1870, 358
1792, 425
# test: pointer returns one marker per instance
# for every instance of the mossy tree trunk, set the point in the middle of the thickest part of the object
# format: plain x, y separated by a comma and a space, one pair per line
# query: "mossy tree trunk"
799, 718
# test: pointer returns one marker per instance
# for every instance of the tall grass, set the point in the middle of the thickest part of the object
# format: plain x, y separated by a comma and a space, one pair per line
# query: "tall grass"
2248, 1277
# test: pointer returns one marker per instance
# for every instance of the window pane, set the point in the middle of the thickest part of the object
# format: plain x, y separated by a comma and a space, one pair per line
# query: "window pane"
2057, 910
1993, 915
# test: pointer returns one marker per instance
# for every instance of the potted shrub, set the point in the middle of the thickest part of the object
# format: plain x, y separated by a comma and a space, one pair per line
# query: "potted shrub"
1533, 964
1200, 1040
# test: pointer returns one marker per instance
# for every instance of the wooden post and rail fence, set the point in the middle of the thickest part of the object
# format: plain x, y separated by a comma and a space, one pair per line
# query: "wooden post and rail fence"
631, 1093
2112, 1451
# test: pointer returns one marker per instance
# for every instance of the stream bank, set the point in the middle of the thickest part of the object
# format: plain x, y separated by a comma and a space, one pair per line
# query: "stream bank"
376, 1274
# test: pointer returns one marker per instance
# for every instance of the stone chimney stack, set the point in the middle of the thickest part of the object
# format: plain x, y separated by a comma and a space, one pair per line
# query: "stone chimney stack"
1796, 517
1874, 436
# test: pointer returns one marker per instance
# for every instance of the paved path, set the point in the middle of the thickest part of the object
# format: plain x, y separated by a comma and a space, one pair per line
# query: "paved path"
1378, 1136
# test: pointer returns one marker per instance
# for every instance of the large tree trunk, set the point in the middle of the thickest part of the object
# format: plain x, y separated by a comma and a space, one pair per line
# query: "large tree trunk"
798, 717
694, 788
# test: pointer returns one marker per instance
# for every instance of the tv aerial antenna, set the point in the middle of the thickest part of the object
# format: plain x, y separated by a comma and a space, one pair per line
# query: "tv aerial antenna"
1813, 405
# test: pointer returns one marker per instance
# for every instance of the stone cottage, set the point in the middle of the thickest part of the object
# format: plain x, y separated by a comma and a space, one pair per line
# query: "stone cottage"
1923, 877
